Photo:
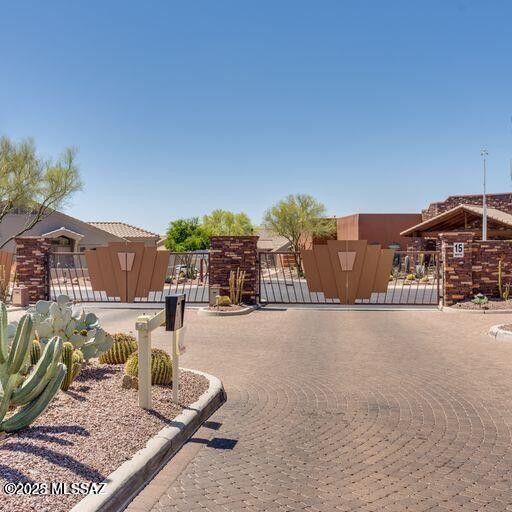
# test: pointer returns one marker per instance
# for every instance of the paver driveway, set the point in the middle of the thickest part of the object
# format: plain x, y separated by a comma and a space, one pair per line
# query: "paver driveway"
351, 411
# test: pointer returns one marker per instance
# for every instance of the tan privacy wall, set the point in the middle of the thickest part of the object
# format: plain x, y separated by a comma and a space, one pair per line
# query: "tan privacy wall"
127, 270
347, 269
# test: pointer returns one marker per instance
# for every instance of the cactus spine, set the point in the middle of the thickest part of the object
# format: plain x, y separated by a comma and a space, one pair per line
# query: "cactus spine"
124, 345
161, 367
73, 359
31, 395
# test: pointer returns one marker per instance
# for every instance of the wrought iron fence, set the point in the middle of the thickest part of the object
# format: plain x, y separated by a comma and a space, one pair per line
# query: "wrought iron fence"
415, 280
187, 273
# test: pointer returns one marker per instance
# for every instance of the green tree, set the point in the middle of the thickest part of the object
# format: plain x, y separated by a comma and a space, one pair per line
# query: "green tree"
297, 218
33, 186
226, 223
186, 235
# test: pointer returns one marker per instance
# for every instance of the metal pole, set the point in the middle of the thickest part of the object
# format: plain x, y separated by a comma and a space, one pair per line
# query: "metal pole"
484, 154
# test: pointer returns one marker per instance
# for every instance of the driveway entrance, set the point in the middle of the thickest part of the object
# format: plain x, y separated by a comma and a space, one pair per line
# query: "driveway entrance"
352, 411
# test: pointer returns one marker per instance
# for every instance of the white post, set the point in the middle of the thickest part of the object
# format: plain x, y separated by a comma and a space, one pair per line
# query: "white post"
175, 364
144, 353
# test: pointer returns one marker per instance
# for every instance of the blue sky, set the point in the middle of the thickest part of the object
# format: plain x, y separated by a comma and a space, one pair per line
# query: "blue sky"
178, 108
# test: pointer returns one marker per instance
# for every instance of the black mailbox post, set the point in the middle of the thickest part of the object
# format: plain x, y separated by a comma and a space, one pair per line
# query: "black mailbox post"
174, 311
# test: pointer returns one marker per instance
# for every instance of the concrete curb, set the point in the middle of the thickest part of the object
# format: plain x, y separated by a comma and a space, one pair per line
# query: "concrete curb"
500, 334
244, 311
448, 309
132, 476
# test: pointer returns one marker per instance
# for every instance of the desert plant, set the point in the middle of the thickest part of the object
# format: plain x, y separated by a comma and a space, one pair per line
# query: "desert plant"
124, 345
222, 301
74, 361
409, 277
506, 292
236, 285
30, 394
480, 299
35, 351
4, 284
81, 329
500, 277
161, 366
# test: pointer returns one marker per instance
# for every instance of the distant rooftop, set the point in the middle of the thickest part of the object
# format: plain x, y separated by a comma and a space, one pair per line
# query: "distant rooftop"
124, 230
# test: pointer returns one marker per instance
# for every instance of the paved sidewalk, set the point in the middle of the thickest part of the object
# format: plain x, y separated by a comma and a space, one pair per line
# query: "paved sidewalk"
353, 411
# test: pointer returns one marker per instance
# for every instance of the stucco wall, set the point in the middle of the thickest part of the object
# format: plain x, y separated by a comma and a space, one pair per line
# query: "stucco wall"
93, 237
382, 228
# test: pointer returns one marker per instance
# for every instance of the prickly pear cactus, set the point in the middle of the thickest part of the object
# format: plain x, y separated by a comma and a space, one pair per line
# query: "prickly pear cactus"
124, 345
73, 324
161, 366
28, 396
74, 361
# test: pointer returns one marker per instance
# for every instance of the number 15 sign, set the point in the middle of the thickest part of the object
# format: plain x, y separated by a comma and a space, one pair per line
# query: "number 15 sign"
458, 250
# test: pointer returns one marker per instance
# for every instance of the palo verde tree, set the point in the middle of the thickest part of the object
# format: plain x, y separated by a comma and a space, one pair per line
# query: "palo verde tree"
33, 186
226, 223
298, 218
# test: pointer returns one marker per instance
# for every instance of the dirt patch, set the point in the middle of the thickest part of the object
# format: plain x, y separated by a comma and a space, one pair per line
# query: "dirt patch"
492, 304
85, 434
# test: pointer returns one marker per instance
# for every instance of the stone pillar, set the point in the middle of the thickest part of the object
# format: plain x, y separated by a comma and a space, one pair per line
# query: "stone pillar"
228, 253
31, 266
457, 272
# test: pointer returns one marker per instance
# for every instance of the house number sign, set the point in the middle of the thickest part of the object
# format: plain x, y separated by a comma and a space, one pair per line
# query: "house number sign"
458, 250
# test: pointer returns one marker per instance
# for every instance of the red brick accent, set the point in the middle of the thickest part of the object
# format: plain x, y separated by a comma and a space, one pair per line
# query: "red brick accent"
457, 272
477, 272
31, 266
228, 253
502, 202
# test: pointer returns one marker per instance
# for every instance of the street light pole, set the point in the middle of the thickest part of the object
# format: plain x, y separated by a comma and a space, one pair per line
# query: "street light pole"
484, 155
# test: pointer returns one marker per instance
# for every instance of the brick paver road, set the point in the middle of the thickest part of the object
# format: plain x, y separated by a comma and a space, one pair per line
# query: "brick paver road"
353, 411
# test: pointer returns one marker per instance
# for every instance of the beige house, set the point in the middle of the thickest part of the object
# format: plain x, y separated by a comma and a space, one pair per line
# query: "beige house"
69, 234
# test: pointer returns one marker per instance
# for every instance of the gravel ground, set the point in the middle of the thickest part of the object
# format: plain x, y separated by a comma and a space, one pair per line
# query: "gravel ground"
491, 304
85, 434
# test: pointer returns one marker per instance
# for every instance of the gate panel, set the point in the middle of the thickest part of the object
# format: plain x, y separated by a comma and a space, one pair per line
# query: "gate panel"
128, 272
415, 277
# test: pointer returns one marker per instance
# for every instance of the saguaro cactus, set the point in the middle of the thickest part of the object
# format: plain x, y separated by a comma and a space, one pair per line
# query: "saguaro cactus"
31, 395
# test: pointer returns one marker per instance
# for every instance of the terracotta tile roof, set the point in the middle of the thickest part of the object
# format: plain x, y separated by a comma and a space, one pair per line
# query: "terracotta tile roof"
124, 230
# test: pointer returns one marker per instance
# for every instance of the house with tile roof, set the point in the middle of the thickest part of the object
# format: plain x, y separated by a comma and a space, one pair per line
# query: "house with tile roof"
69, 234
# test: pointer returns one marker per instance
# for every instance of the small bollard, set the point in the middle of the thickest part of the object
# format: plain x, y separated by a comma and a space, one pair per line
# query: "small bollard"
144, 353
174, 317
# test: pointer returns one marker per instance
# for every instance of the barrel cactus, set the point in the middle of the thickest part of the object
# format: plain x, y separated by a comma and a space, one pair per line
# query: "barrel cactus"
73, 324
124, 345
161, 367
74, 361
28, 395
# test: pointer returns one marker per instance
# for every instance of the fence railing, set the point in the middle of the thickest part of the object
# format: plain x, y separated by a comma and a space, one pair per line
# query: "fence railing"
187, 273
415, 279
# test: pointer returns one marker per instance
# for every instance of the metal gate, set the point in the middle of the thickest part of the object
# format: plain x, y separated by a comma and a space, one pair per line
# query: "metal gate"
415, 279
108, 277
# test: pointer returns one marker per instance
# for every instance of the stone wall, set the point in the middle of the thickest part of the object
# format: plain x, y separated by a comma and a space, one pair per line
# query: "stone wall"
502, 202
228, 253
31, 266
477, 271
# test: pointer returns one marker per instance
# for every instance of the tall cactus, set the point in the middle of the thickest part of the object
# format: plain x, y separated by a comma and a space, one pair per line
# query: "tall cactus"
74, 360
31, 395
